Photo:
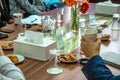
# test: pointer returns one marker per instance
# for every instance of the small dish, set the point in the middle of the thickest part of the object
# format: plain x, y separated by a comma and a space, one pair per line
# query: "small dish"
6, 45
68, 58
19, 58
69, 61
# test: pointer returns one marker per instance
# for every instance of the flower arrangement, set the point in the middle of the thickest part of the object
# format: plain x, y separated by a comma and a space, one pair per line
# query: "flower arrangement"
76, 6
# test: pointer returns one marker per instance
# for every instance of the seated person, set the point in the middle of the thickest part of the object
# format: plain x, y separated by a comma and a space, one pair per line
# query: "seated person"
8, 71
27, 7
4, 13
95, 68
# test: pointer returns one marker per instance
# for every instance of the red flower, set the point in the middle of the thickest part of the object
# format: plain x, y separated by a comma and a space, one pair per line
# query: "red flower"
84, 7
83, 4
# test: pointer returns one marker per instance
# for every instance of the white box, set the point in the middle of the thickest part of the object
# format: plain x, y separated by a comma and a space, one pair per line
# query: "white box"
35, 51
107, 8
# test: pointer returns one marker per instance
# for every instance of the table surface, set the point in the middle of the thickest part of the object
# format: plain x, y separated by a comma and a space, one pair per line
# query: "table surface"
36, 69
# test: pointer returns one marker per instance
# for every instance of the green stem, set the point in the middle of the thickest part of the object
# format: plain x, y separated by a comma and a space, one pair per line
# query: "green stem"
74, 18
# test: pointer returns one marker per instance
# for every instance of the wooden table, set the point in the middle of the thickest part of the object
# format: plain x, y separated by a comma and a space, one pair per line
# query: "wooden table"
36, 70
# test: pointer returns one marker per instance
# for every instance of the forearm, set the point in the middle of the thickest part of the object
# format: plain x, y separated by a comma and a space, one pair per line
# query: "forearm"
96, 69
9, 71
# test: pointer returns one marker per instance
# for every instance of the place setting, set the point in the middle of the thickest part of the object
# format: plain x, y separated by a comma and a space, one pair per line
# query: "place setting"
60, 57
16, 58
68, 58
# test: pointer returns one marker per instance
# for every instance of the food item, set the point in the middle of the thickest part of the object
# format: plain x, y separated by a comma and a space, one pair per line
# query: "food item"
6, 44
68, 57
72, 56
105, 37
39, 26
14, 58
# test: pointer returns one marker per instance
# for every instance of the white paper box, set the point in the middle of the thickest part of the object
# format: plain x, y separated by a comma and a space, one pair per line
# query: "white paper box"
107, 8
32, 50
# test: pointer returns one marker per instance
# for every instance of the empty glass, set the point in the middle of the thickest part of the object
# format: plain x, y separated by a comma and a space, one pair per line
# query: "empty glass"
115, 27
55, 69
48, 26
116, 22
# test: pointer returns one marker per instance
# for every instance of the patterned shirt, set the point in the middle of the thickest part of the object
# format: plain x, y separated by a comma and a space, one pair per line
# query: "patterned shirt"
35, 8
8, 71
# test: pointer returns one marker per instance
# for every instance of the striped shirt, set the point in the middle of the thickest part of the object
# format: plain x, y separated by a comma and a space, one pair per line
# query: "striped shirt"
8, 71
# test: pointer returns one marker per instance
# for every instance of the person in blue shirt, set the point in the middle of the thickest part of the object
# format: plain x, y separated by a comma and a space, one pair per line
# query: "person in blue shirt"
95, 68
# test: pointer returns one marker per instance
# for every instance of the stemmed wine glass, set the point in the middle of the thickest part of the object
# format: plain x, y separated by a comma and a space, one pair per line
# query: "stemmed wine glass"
54, 70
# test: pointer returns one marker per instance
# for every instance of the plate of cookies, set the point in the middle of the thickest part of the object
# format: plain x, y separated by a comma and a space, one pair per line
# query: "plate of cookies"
7, 44
15, 58
68, 58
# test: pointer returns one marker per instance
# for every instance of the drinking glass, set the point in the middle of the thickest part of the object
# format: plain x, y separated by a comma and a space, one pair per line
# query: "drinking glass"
115, 27
48, 27
18, 24
56, 69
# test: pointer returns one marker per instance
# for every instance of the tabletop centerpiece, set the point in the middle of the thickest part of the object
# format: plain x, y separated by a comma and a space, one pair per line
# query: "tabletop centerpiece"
76, 7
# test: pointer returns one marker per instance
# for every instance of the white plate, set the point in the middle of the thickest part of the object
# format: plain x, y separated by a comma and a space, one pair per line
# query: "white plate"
65, 61
20, 58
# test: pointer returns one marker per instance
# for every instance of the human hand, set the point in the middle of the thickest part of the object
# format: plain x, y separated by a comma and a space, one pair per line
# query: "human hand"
1, 51
10, 21
90, 48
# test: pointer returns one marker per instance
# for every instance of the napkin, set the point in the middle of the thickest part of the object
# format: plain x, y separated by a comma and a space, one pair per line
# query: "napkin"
33, 19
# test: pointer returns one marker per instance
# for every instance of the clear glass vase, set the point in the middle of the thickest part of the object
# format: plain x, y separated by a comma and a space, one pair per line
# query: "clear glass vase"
74, 19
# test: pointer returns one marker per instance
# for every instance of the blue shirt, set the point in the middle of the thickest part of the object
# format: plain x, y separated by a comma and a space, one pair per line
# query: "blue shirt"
95, 69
